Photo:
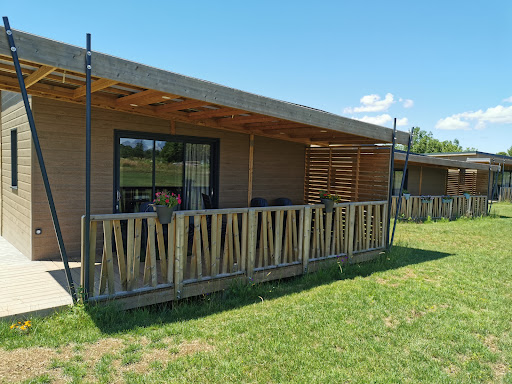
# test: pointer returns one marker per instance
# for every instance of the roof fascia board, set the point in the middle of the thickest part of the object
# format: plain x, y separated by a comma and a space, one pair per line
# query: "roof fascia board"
49, 52
430, 160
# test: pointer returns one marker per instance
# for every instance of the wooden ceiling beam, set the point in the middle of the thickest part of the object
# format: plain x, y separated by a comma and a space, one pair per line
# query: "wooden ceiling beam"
179, 105
38, 74
211, 113
146, 97
247, 119
97, 85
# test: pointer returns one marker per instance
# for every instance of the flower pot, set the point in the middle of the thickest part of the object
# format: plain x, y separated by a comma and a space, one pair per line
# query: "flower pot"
164, 213
467, 195
425, 201
406, 195
446, 200
329, 205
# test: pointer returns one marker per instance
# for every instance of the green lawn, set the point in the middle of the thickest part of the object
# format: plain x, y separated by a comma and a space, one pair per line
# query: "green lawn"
437, 309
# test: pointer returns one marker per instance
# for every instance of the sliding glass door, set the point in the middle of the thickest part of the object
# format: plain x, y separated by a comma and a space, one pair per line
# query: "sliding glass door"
148, 163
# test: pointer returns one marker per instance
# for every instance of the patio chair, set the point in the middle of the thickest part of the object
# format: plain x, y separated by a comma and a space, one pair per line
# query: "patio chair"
282, 201
259, 202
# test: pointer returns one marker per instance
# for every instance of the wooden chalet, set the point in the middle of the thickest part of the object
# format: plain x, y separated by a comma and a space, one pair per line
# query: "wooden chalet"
502, 180
438, 178
218, 147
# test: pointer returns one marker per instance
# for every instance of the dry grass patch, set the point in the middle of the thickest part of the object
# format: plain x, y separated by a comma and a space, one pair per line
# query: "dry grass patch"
26, 363
395, 280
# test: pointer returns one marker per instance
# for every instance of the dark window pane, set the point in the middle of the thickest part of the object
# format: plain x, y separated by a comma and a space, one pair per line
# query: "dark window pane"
14, 158
135, 173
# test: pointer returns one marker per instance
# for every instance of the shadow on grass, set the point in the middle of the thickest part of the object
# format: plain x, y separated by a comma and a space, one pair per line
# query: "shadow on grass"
109, 319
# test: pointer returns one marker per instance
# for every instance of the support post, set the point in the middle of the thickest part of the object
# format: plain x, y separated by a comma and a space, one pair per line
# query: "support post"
251, 169
399, 201
39, 154
391, 174
87, 220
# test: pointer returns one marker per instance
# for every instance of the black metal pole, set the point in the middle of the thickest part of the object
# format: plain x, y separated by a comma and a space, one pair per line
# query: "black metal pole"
391, 177
494, 185
399, 201
87, 167
39, 154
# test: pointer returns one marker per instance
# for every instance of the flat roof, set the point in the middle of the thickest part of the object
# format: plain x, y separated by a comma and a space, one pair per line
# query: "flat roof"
57, 70
492, 156
419, 159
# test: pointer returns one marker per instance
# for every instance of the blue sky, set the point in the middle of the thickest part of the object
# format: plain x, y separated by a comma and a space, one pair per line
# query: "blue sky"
441, 65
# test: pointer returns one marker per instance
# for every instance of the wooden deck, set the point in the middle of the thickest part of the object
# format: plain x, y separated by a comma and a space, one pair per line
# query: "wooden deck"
31, 287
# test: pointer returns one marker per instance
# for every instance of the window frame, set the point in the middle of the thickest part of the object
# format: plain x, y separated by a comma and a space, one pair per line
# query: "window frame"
214, 157
14, 159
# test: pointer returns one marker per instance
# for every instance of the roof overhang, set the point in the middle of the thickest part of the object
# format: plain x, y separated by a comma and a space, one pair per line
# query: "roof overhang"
56, 70
423, 160
479, 156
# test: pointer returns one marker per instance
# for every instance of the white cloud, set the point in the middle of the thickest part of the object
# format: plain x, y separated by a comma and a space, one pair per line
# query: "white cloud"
401, 122
407, 103
493, 115
378, 120
451, 123
382, 119
372, 103
508, 100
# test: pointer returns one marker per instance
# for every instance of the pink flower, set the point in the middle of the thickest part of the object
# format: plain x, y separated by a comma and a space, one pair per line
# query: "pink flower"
167, 200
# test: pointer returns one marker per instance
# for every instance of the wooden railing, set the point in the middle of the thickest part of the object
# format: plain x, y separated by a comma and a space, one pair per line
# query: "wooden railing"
505, 194
437, 207
199, 249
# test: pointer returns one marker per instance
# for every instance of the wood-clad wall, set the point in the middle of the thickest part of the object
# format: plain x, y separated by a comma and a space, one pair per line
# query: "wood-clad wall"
354, 173
433, 180
278, 170
15, 204
278, 166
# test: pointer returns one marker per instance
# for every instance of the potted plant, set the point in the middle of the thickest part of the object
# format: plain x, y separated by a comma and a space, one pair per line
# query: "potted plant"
328, 200
426, 199
165, 204
406, 194
447, 199
467, 194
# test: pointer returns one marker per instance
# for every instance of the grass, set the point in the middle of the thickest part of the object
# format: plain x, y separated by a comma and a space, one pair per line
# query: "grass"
435, 310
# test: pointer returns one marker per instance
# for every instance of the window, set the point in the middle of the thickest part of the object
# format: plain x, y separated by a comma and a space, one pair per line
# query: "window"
148, 163
397, 181
14, 159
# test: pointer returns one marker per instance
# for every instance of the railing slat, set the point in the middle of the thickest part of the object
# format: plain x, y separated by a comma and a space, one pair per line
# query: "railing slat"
92, 255
136, 253
243, 256
161, 248
152, 251
107, 265
120, 253
179, 256
252, 227
197, 247
129, 254
306, 227
171, 238
206, 245
236, 240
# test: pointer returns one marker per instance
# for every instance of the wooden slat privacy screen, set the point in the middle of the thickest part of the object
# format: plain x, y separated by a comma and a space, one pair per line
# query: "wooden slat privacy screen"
475, 182
355, 173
